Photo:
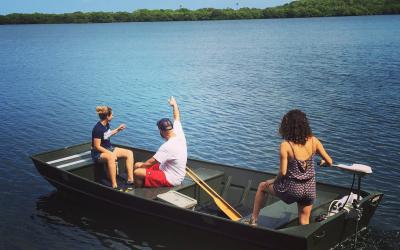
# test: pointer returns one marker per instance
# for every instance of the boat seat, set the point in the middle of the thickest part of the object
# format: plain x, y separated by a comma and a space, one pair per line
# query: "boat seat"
278, 214
73, 161
204, 173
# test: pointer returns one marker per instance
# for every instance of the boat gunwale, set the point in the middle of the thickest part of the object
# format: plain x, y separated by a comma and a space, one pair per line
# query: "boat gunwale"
34, 156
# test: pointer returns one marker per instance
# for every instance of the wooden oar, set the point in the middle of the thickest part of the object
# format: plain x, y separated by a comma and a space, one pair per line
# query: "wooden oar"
219, 201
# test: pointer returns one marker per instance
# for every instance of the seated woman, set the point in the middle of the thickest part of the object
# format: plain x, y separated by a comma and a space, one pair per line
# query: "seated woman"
296, 178
102, 149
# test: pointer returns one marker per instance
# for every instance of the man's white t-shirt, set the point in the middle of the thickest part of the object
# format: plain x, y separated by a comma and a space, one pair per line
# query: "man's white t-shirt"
172, 156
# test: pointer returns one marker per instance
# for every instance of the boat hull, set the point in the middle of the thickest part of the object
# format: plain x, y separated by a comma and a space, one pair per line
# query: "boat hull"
321, 235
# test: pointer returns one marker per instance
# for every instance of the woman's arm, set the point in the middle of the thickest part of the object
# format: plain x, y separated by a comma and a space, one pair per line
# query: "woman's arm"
283, 159
321, 151
98, 147
120, 128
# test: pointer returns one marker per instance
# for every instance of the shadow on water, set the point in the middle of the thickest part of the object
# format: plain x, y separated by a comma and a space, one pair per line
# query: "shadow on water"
372, 239
123, 230
140, 231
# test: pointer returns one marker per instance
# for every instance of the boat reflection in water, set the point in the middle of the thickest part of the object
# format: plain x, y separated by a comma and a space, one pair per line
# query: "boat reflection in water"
113, 230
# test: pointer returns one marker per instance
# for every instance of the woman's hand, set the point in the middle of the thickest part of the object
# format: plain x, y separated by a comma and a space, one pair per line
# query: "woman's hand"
121, 127
323, 163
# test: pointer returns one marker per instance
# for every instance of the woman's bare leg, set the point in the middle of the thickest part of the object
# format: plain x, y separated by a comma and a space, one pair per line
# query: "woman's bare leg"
128, 155
263, 188
109, 159
304, 214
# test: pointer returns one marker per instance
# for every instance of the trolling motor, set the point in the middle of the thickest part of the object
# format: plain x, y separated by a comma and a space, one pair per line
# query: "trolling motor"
360, 170
350, 203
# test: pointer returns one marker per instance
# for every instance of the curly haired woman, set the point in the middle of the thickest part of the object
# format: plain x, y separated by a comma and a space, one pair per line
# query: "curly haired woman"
296, 178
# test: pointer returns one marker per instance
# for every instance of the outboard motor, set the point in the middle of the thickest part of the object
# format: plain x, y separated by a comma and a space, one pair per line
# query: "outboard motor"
346, 203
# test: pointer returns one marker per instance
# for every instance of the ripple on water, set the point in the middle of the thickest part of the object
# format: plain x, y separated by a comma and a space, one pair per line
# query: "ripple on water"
234, 81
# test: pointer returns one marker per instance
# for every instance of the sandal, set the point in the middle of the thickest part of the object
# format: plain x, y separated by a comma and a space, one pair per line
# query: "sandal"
250, 221
129, 186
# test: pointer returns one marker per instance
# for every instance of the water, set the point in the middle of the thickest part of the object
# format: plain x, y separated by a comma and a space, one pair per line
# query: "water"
234, 80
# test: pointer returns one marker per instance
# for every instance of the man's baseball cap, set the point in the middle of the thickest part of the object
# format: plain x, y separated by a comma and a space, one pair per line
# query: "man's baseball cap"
165, 124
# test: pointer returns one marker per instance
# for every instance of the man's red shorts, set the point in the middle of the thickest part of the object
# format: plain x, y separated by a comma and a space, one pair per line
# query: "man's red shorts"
155, 177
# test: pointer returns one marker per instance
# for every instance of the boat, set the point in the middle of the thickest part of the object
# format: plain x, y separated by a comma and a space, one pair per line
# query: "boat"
71, 169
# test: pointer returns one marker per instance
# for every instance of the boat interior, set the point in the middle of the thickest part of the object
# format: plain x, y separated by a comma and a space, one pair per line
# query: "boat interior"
236, 185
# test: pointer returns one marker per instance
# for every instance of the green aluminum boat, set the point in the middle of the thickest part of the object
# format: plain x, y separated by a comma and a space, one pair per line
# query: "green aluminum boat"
71, 169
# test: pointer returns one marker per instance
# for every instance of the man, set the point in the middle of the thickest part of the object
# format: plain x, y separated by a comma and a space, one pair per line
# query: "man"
167, 167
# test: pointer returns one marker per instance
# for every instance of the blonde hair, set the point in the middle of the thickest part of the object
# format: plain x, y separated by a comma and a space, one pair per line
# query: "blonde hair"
103, 111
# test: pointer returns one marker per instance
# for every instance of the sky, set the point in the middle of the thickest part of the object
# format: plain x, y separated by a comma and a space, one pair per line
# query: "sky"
67, 6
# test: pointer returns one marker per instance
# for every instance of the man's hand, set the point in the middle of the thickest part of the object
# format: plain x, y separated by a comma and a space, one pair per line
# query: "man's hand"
175, 108
172, 101
138, 164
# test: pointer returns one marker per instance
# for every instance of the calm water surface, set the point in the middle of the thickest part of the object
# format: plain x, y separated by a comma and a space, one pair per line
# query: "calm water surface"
234, 80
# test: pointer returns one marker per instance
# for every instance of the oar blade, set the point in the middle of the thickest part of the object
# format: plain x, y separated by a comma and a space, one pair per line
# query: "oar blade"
227, 210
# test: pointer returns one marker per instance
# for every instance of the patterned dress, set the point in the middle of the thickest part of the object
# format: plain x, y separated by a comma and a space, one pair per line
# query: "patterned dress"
298, 185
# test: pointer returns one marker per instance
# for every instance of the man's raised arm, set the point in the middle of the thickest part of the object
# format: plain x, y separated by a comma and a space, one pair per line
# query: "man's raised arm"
172, 102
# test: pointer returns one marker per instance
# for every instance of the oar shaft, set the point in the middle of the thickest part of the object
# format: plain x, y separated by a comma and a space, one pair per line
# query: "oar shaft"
211, 190
200, 184
203, 182
219, 201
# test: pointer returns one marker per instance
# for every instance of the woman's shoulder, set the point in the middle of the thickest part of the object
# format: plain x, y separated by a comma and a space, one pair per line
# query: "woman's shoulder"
314, 138
284, 144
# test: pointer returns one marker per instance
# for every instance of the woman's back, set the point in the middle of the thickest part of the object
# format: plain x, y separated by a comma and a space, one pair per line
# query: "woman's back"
300, 162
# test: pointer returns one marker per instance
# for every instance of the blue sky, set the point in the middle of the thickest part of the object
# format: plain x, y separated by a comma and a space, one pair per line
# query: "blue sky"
64, 6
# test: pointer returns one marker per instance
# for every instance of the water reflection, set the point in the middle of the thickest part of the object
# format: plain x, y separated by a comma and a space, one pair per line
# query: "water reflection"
122, 230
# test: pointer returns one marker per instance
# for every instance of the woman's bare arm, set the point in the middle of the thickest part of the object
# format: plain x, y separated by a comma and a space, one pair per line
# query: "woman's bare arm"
322, 152
283, 158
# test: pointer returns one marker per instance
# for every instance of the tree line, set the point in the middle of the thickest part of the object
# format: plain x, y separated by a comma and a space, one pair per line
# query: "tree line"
301, 8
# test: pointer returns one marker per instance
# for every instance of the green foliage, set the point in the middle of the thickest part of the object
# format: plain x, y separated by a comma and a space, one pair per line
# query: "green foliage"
301, 8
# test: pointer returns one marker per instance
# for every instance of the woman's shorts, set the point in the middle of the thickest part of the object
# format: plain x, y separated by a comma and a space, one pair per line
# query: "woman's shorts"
96, 154
290, 190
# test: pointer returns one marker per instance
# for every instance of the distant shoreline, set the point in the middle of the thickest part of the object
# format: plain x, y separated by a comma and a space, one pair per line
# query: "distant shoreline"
296, 9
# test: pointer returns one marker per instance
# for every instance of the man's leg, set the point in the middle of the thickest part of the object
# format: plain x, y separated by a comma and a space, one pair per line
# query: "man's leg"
139, 175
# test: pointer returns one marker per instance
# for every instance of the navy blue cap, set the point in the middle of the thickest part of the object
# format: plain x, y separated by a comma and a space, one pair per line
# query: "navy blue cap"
165, 124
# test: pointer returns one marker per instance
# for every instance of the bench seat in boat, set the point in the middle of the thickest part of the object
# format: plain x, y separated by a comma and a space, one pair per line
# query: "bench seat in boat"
80, 160
279, 213
208, 175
